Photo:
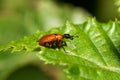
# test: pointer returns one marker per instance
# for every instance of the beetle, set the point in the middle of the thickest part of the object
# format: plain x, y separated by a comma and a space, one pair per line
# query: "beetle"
55, 40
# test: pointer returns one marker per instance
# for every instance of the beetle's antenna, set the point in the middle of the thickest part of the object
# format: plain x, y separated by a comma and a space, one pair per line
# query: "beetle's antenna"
76, 35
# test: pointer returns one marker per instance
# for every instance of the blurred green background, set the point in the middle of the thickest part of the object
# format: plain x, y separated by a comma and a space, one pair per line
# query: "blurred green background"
19, 18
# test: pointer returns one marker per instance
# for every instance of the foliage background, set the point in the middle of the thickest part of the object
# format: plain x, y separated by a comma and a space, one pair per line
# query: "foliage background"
19, 18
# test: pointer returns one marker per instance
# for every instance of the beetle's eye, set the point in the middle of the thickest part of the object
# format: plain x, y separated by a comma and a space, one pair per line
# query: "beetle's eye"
68, 36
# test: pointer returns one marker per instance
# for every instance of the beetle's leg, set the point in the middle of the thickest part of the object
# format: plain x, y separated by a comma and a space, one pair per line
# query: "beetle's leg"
60, 43
64, 43
47, 44
64, 50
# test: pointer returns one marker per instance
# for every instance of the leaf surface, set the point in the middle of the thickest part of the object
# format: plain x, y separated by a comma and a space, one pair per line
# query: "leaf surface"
93, 55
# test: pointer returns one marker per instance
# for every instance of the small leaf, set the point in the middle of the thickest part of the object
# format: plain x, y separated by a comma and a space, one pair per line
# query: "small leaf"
117, 3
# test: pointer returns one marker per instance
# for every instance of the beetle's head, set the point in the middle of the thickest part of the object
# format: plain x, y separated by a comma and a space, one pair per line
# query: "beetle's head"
68, 36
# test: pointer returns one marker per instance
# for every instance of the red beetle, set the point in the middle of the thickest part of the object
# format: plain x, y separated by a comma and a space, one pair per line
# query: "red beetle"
54, 40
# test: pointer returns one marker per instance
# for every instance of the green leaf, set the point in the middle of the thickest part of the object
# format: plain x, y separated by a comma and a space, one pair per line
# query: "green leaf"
93, 55
117, 3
